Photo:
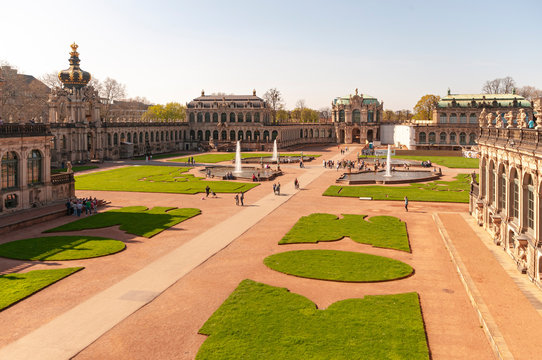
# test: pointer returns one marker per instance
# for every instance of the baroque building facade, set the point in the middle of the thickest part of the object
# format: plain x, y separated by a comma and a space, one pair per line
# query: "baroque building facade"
455, 120
507, 200
356, 118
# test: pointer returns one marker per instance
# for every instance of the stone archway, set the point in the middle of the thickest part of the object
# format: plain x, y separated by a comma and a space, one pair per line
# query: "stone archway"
341, 136
356, 136
370, 135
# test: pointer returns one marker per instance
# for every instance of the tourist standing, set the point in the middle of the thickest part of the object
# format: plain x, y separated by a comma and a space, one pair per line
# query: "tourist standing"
274, 188
242, 199
406, 203
237, 199
207, 191
278, 188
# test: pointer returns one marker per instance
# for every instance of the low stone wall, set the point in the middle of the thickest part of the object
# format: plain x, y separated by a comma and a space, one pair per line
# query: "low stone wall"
429, 152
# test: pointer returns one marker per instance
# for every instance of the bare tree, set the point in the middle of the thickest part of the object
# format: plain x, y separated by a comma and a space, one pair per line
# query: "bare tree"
529, 92
504, 85
325, 113
274, 98
111, 90
300, 104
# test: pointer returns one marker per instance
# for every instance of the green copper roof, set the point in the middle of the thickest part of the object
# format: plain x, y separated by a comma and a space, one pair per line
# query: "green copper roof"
483, 100
345, 100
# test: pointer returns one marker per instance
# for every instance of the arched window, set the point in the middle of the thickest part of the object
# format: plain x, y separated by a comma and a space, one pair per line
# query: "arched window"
502, 187
301, 133
240, 117
453, 138
473, 119
122, 138
207, 135
240, 135
432, 137
129, 137
157, 136
152, 137
232, 117
422, 138
65, 143
223, 117
442, 118
109, 139
10, 170
192, 135
200, 117
146, 137
266, 135
249, 117
483, 176
463, 118
200, 135
34, 167
141, 137
215, 117
329, 133
161, 136
514, 195
453, 118
356, 116
443, 137
215, 135
256, 135
207, 117
224, 135
370, 116
232, 135
472, 138
274, 134
528, 200
341, 115
249, 135
462, 138
257, 117
491, 188
191, 117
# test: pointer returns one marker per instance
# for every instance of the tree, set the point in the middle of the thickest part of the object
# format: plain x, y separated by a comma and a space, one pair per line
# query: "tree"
274, 98
283, 115
504, 85
425, 106
325, 113
51, 79
172, 110
300, 104
529, 92
389, 115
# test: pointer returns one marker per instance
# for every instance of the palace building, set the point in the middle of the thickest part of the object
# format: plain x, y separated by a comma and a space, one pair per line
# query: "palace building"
507, 200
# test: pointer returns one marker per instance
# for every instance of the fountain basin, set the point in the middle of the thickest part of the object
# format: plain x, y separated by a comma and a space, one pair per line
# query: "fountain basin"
283, 159
397, 177
246, 173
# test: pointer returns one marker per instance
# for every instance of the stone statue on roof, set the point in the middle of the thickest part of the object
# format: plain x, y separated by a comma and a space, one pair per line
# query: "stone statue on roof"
521, 118
509, 119
498, 120
482, 118
490, 117
356, 91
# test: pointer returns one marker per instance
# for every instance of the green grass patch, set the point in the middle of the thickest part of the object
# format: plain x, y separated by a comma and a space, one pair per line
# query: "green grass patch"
60, 248
456, 191
75, 169
381, 231
159, 156
15, 287
214, 158
259, 321
137, 220
458, 162
164, 179
338, 265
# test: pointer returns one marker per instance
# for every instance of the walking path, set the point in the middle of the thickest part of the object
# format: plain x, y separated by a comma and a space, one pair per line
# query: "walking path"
509, 306
69, 333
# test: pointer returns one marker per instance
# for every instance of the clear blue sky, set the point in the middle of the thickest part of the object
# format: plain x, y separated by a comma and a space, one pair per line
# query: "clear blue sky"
395, 50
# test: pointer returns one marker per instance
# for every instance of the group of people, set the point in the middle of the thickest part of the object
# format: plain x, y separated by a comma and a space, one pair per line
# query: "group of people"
255, 178
240, 199
190, 160
276, 188
228, 176
76, 206
209, 191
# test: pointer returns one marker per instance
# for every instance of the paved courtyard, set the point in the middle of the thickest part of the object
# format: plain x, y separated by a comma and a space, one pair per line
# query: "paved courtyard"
150, 300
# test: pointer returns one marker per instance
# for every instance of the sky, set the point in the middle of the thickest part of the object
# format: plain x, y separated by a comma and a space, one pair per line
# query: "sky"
394, 50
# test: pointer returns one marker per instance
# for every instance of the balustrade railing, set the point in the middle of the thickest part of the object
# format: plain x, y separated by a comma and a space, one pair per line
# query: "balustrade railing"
16, 130
64, 178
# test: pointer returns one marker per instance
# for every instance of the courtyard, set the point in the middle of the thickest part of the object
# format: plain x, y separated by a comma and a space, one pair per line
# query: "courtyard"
166, 294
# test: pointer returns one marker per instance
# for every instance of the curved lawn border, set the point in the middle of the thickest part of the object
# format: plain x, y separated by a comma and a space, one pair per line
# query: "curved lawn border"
59, 248
335, 265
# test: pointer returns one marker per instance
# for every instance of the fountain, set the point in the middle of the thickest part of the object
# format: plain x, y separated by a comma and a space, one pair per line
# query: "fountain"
275, 156
388, 162
238, 168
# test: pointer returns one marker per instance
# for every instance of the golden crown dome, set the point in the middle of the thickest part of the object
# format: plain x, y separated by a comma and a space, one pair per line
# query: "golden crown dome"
74, 77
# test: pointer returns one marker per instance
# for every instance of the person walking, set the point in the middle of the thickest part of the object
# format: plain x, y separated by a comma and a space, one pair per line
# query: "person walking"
406, 203
207, 191
242, 199
296, 184
274, 188
237, 199
278, 188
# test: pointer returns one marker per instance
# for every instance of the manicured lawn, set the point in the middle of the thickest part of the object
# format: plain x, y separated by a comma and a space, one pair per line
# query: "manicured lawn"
214, 158
137, 220
60, 248
456, 191
15, 287
75, 169
160, 156
164, 179
381, 231
259, 321
448, 161
338, 265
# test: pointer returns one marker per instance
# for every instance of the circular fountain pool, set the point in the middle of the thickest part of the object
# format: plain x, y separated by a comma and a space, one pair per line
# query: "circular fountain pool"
245, 173
283, 159
397, 177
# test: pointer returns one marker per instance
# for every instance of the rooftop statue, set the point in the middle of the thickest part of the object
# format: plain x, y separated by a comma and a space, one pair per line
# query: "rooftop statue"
509, 119
521, 118
482, 118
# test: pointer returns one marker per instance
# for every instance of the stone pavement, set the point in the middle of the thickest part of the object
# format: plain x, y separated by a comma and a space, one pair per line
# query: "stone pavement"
69, 333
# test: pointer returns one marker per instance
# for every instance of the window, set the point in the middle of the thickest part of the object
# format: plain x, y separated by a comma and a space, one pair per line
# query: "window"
109, 139
207, 135
10, 171
422, 138
341, 115
453, 139
514, 197
207, 117
152, 137
274, 134
453, 118
463, 118
200, 135
432, 137
442, 118
240, 135
472, 138
115, 139
232, 135
502, 197
200, 117
370, 116
215, 117
530, 204
34, 167
463, 138
249, 117
191, 117
257, 117
240, 117
232, 117
473, 119
491, 188
356, 116
223, 117
443, 137
215, 135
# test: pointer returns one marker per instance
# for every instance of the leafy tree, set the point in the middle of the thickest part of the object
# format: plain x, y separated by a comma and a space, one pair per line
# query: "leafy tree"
283, 115
425, 106
172, 110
